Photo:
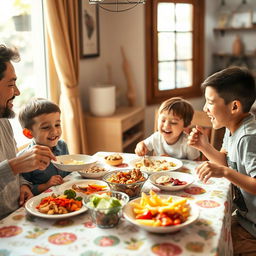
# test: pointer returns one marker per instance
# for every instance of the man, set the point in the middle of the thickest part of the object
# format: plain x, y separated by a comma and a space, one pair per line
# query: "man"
14, 190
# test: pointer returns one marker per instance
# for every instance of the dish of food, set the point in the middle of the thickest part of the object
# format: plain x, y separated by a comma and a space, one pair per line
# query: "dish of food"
114, 159
95, 171
151, 164
106, 208
37, 206
71, 163
129, 181
85, 187
161, 213
171, 181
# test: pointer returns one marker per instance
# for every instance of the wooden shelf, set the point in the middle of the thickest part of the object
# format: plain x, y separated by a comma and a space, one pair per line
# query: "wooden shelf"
231, 29
229, 55
133, 138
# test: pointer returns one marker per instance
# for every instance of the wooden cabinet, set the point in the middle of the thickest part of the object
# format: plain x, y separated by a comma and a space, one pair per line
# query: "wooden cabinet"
117, 133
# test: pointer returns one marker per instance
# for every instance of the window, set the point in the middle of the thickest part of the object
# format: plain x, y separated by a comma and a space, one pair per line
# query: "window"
22, 27
175, 48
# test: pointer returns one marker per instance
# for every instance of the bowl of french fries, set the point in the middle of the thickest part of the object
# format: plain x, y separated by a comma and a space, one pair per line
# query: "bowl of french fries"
160, 213
75, 162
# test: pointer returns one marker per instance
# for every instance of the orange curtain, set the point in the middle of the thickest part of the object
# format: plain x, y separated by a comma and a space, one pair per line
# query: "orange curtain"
63, 61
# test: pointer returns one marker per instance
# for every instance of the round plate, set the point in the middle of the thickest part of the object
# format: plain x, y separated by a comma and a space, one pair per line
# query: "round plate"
175, 175
178, 163
84, 183
130, 216
61, 163
34, 201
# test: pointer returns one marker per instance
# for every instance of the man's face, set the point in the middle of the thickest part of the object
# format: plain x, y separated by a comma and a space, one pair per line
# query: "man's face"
216, 108
8, 91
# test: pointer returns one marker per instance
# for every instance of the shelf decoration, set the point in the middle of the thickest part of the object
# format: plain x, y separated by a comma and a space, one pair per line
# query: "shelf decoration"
224, 14
242, 16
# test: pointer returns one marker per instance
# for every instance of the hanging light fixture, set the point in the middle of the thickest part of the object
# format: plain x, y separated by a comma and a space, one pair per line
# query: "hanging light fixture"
117, 5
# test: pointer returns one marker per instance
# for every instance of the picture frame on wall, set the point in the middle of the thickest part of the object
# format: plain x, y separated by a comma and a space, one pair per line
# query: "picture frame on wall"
89, 30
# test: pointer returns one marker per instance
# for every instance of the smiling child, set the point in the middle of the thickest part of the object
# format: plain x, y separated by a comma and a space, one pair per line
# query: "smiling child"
174, 115
40, 120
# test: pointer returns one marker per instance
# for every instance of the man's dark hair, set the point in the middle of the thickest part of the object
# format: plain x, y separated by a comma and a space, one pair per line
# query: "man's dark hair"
36, 107
6, 55
234, 83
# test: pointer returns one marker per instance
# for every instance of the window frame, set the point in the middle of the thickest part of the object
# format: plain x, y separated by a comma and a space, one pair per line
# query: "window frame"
153, 94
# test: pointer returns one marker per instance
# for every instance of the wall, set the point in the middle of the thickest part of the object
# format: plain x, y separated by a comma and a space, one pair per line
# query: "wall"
127, 29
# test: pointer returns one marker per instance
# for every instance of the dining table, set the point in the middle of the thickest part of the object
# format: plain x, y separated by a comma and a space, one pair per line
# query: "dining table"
23, 234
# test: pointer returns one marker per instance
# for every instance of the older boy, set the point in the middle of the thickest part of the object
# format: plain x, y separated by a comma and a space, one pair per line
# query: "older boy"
229, 96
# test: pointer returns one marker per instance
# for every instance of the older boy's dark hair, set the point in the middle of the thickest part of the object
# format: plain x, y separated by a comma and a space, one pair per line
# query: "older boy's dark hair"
180, 108
36, 107
6, 55
234, 83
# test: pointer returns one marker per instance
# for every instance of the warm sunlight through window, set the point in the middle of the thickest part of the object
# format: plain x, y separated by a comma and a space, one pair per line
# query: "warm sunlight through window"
21, 26
175, 48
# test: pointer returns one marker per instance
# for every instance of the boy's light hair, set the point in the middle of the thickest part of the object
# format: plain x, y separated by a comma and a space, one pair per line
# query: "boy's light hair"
234, 83
36, 107
180, 108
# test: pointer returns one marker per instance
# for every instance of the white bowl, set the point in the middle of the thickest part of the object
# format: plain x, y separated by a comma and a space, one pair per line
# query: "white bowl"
177, 163
188, 178
89, 173
130, 216
71, 163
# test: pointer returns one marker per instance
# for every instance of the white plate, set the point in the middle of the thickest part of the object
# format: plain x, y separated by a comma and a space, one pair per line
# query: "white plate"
176, 175
93, 175
130, 216
34, 201
84, 183
61, 160
178, 163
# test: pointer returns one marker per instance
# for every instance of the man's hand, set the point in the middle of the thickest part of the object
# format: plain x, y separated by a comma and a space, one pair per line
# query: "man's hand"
38, 157
141, 149
25, 194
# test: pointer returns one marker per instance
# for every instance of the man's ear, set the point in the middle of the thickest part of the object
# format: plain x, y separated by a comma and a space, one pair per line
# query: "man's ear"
27, 133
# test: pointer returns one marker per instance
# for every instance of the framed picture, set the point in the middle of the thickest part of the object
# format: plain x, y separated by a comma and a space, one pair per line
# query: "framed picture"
89, 29
241, 19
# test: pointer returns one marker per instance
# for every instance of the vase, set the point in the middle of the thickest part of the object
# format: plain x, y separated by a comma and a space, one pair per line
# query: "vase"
237, 47
22, 22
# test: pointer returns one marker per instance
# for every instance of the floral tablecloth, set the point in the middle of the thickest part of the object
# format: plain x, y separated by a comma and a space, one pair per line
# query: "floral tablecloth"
22, 234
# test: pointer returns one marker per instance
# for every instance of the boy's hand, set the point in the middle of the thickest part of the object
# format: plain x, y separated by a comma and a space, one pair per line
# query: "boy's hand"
198, 139
38, 157
208, 169
55, 180
141, 149
25, 194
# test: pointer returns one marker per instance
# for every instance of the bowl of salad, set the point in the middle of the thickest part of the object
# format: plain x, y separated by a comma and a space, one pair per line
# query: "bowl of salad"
106, 208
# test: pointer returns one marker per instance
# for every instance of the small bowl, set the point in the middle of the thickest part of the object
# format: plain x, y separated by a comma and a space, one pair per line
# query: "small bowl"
114, 159
105, 217
188, 178
94, 171
132, 189
72, 163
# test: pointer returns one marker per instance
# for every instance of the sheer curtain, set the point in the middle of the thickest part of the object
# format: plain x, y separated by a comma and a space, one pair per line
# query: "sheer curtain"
63, 65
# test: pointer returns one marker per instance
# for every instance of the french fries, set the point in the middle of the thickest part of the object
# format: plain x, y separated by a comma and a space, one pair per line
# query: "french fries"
153, 210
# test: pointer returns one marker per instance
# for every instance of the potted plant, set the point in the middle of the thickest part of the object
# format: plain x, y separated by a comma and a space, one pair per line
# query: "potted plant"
22, 16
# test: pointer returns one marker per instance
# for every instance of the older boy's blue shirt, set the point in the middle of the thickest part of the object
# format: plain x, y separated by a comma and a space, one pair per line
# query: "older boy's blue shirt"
38, 177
